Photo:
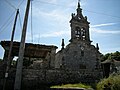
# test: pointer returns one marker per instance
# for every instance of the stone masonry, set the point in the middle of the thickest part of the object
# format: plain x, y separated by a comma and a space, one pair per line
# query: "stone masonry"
79, 54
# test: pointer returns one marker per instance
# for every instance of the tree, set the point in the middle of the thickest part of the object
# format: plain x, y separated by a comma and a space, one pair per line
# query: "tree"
111, 56
105, 57
116, 56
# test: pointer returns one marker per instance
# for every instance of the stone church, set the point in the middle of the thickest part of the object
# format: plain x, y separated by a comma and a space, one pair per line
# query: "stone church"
79, 61
79, 53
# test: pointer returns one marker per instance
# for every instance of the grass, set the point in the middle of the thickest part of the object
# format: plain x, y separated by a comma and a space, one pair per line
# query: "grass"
113, 82
79, 85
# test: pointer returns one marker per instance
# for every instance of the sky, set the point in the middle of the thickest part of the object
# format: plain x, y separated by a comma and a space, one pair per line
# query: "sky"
48, 22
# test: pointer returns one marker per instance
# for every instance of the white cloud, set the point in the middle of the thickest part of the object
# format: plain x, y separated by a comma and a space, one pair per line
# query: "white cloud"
100, 25
58, 17
55, 34
96, 30
71, 4
54, 16
52, 1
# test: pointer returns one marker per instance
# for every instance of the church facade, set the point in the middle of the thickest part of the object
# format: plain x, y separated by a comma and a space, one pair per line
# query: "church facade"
79, 54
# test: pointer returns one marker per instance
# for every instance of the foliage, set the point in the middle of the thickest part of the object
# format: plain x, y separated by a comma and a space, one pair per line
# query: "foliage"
113, 82
111, 56
116, 56
79, 85
104, 57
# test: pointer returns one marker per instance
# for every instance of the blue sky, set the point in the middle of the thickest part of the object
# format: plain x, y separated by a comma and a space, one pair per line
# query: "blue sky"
50, 22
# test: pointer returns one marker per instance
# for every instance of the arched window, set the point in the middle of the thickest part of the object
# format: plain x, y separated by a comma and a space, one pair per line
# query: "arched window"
78, 32
83, 33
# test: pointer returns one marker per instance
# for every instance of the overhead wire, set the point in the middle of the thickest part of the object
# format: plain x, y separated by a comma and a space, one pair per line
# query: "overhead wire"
83, 9
20, 4
20, 20
5, 26
31, 14
19, 15
101, 13
38, 38
6, 21
10, 4
31, 24
50, 3
13, 5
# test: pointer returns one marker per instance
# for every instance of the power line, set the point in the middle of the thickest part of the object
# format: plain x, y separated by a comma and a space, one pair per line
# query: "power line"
20, 20
6, 22
5, 26
10, 4
13, 5
38, 38
51, 3
31, 24
102, 13
20, 4
83, 9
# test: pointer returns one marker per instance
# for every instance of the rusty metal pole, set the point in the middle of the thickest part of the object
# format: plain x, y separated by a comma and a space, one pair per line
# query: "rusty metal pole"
18, 77
10, 51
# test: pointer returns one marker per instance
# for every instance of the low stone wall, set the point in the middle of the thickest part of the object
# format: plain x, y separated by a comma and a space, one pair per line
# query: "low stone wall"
41, 79
34, 78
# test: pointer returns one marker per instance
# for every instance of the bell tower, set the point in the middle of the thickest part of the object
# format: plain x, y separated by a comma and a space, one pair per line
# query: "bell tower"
79, 26
80, 55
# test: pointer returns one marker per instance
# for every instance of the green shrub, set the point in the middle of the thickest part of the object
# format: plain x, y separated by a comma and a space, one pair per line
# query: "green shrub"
113, 82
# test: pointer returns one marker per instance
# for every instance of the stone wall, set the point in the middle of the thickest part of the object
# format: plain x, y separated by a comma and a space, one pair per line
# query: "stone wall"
77, 55
33, 78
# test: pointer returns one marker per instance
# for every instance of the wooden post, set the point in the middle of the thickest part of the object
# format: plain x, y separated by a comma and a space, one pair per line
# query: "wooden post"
10, 51
18, 77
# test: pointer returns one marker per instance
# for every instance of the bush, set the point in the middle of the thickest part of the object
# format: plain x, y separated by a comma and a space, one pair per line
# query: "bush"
112, 82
